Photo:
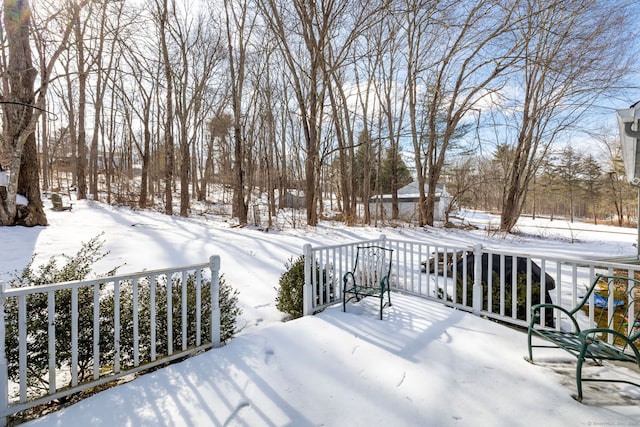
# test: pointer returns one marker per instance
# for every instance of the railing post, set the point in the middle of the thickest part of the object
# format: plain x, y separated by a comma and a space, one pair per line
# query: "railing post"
214, 265
383, 240
307, 290
4, 372
477, 279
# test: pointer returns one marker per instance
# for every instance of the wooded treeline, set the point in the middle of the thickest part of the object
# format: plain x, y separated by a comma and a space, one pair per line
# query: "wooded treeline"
570, 185
135, 102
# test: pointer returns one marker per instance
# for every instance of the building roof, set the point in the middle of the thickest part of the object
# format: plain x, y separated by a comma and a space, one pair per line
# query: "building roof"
413, 190
411, 193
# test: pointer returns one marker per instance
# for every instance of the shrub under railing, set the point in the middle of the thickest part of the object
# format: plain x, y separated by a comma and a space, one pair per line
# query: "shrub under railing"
60, 339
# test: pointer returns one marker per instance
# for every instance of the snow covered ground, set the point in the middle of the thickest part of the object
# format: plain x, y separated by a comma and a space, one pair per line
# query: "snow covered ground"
424, 364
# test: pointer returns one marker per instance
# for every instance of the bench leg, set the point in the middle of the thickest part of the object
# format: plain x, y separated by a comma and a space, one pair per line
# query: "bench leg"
579, 374
529, 345
344, 295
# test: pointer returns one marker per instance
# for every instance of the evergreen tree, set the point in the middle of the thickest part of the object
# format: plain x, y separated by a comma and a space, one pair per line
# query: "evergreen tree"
386, 170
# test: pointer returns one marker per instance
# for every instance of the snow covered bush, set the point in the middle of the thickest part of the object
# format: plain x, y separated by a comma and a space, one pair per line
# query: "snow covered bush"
78, 267
229, 310
289, 298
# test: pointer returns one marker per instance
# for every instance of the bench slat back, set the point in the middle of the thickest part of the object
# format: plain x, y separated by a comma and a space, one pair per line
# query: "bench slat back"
372, 265
616, 306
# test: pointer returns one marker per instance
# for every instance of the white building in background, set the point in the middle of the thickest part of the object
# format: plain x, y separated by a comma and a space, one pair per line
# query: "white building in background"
408, 199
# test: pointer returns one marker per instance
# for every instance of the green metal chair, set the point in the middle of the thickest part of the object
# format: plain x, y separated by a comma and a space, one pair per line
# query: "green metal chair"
369, 276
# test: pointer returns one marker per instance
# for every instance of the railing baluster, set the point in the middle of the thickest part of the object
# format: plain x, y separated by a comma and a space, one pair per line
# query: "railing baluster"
574, 283
184, 310
341, 262
198, 307
454, 275
404, 270
74, 336
152, 302
96, 331
214, 266
22, 344
420, 257
465, 275
135, 320
332, 277
116, 326
558, 318
4, 368
319, 296
51, 314
592, 321
502, 284
514, 291
169, 279
427, 270
543, 288
529, 293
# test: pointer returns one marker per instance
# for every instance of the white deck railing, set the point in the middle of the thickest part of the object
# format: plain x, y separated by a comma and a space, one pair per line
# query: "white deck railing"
151, 318
419, 268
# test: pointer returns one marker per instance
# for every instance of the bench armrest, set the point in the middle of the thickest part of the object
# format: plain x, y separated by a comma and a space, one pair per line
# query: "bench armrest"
586, 341
537, 308
345, 279
384, 284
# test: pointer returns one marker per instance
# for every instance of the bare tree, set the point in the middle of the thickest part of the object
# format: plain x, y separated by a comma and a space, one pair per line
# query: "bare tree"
137, 95
460, 53
315, 40
198, 46
82, 67
391, 98
110, 24
568, 62
618, 190
305, 74
239, 25
161, 15
265, 86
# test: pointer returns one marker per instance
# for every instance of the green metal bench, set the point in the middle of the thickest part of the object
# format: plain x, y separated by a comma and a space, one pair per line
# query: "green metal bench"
616, 332
369, 277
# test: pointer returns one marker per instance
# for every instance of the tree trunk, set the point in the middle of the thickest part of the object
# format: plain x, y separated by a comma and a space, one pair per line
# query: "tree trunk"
168, 128
144, 177
44, 132
29, 186
81, 160
18, 130
185, 166
345, 187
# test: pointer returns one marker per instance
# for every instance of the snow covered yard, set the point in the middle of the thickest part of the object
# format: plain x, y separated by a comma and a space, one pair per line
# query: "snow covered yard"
424, 365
